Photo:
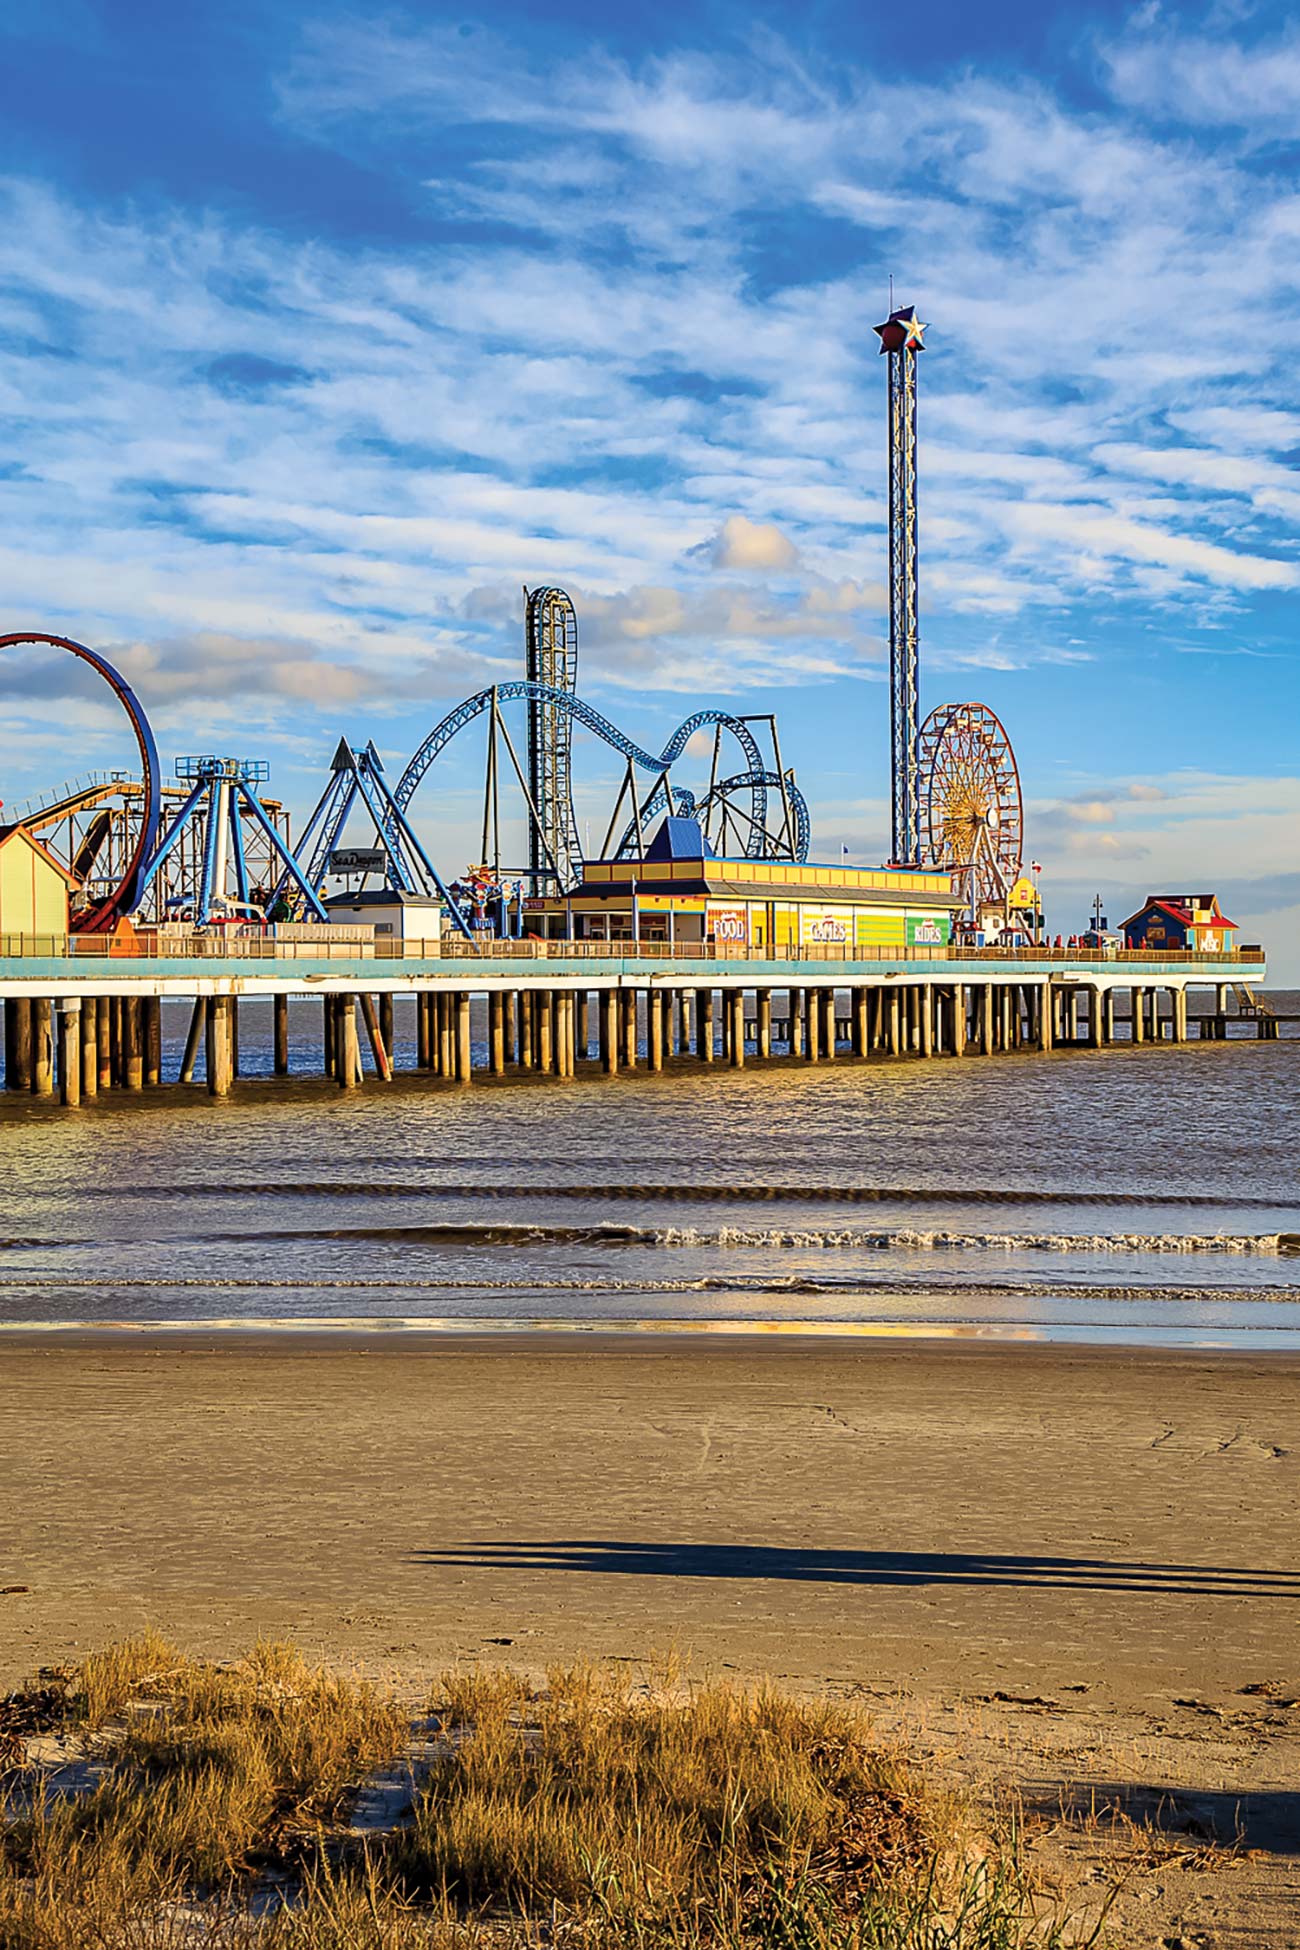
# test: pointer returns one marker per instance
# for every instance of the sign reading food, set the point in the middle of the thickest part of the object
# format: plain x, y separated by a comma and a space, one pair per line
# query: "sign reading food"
729, 925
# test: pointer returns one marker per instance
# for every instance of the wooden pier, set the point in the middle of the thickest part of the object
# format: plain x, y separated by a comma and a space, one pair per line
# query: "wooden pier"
88, 1020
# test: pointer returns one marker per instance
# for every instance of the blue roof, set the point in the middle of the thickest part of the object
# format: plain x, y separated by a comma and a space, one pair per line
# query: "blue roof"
679, 839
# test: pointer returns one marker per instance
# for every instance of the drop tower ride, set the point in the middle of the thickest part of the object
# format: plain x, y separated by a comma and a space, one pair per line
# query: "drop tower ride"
901, 338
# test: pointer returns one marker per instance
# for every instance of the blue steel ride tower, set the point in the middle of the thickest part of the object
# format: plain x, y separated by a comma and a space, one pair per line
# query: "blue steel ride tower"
901, 338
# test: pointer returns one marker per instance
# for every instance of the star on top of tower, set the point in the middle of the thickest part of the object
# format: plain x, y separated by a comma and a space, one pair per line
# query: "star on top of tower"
902, 329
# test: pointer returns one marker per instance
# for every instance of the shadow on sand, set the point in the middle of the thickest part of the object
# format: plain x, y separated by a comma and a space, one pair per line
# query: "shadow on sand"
795, 1564
1263, 1818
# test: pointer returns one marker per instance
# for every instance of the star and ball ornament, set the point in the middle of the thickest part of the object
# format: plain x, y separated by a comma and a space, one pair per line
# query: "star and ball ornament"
902, 331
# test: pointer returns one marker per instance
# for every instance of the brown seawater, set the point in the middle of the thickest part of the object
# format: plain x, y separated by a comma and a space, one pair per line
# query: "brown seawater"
1148, 1195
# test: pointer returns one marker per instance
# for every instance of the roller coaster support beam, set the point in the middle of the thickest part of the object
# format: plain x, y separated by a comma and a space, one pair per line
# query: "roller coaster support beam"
170, 839
309, 894
390, 818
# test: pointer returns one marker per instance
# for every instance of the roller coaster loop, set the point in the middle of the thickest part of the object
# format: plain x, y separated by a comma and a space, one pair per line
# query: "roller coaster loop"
687, 806
577, 707
103, 917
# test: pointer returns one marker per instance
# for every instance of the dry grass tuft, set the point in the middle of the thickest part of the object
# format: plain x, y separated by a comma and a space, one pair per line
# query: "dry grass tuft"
652, 1807
206, 1770
587, 1814
108, 1681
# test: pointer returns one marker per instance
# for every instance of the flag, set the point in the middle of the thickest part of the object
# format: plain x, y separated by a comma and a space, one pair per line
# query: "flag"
844, 851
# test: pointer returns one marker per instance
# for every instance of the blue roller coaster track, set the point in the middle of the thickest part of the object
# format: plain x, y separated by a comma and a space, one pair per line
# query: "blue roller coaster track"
756, 779
687, 806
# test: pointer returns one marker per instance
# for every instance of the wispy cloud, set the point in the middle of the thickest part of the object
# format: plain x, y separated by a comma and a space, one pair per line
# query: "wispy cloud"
1210, 80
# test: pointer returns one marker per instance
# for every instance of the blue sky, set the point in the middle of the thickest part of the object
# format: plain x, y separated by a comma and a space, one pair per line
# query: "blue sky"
322, 330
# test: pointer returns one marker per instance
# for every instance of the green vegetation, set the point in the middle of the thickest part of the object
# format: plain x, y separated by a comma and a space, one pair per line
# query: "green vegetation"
584, 1812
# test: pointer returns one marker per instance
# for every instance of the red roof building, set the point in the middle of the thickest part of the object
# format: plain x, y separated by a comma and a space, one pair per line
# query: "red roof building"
1185, 922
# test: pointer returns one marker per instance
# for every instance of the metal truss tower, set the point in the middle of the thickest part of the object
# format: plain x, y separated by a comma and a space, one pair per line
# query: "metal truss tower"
551, 636
901, 338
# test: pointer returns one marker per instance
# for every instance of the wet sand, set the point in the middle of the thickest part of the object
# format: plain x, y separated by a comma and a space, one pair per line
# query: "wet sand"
1110, 1538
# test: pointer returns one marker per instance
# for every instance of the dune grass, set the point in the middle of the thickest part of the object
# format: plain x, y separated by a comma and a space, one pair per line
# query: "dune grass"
205, 1774
652, 1805
587, 1812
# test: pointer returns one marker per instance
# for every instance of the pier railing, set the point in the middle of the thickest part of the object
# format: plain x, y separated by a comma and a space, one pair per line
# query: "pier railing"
219, 945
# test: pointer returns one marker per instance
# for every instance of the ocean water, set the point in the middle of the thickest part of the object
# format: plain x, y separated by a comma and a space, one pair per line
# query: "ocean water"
1128, 1194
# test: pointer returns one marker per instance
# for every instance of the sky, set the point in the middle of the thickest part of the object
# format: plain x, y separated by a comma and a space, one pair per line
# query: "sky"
325, 329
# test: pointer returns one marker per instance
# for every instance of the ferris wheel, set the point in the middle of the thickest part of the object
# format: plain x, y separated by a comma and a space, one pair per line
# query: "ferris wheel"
972, 823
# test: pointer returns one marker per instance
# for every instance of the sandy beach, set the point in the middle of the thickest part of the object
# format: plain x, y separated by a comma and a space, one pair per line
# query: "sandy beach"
1059, 1565
908, 1514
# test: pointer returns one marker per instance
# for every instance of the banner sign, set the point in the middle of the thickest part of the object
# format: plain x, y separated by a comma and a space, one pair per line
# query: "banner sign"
730, 924
928, 930
358, 859
825, 928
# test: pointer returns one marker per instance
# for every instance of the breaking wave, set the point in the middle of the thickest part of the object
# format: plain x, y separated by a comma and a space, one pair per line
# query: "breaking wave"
915, 1239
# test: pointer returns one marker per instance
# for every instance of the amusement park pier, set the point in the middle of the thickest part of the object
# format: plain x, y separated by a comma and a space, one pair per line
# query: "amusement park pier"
700, 929
80, 1023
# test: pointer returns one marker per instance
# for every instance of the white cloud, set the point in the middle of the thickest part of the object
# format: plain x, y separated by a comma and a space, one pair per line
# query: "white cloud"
1211, 80
1097, 539
744, 544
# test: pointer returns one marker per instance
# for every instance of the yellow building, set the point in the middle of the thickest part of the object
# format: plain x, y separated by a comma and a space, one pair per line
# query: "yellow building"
34, 886
680, 893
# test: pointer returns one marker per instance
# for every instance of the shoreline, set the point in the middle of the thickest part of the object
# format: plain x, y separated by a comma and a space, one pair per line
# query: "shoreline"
359, 1333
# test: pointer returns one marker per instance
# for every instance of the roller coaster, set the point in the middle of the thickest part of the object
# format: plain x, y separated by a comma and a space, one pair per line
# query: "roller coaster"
557, 836
211, 849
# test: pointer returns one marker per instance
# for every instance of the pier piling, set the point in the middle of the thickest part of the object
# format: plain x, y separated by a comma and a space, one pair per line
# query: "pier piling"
374, 1036
133, 1053
89, 1047
704, 1025
70, 1050
545, 1013
42, 1049
152, 1028
18, 1044
736, 1021
198, 1023
219, 1065
347, 1054
654, 1030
